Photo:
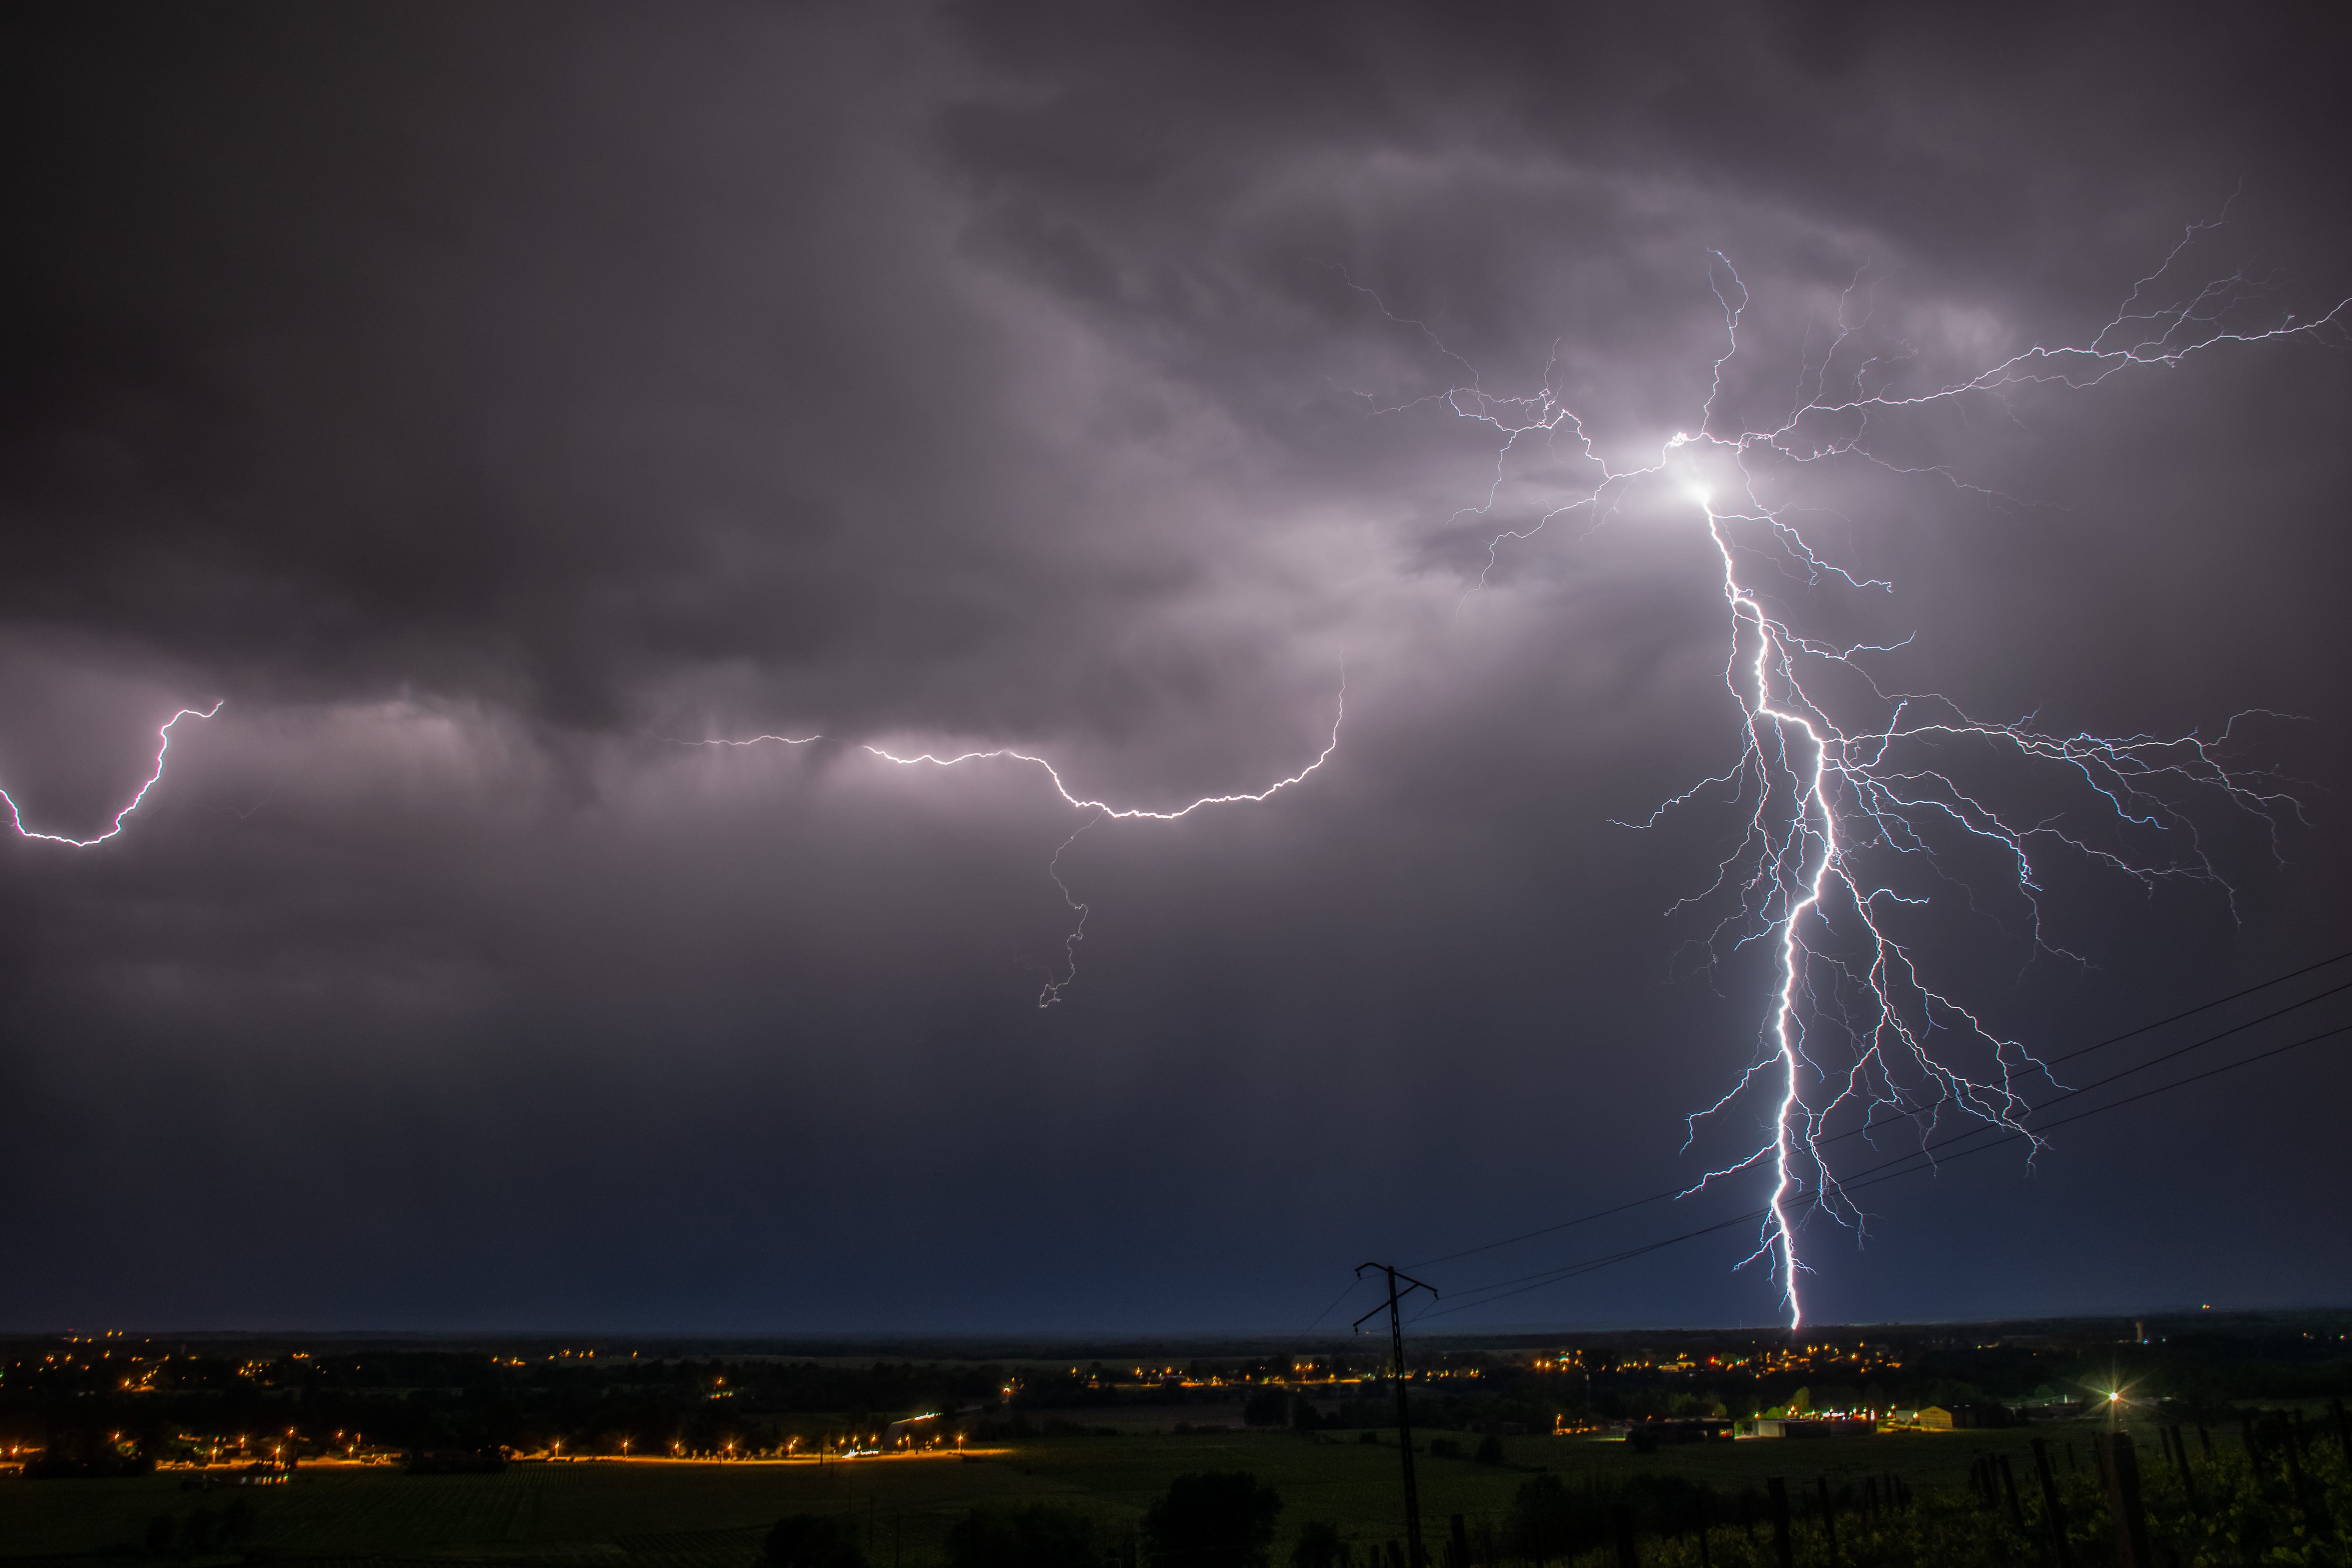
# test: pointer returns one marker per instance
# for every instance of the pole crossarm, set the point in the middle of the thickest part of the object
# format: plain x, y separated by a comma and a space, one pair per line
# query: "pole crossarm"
1394, 1275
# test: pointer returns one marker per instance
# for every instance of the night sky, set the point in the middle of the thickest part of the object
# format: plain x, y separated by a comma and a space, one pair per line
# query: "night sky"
483, 400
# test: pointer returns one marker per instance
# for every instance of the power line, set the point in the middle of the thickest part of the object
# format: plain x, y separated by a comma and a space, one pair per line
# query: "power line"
1872, 1178
1325, 1312
1904, 1116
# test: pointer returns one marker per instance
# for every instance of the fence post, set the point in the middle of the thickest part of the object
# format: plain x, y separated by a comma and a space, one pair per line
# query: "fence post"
1628, 1556
1784, 1551
1829, 1519
2311, 1511
2009, 1490
1458, 1541
2187, 1475
2122, 1467
2052, 1511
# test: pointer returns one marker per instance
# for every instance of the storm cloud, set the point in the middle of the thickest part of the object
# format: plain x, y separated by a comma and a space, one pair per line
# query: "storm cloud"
488, 402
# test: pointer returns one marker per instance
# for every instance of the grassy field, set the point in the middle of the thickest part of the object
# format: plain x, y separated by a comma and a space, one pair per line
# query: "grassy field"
661, 1515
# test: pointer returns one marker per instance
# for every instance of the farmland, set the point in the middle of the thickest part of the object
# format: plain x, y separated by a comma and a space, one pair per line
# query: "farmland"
688, 1515
685, 1454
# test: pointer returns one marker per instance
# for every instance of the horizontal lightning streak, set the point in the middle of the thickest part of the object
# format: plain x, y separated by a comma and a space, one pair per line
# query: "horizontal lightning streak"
1127, 813
162, 745
1098, 810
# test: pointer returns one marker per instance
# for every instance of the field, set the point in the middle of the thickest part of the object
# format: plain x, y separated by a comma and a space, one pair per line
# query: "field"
685, 1515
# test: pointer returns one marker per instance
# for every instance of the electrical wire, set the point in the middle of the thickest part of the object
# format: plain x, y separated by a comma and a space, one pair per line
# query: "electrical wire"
1906, 1116
1901, 1165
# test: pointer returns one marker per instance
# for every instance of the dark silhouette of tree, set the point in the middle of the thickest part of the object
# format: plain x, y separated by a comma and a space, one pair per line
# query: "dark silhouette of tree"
814, 1540
1213, 1518
1320, 1546
1543, 1518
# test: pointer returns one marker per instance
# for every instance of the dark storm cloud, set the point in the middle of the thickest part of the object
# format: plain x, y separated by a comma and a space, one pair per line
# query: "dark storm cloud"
483, 398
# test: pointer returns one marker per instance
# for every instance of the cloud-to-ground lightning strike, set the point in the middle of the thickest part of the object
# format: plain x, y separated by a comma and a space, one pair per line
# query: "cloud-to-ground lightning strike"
162, 745
1096, 810
1846, 786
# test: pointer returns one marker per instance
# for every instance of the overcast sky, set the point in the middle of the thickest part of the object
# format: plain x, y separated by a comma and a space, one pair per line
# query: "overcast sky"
481, 400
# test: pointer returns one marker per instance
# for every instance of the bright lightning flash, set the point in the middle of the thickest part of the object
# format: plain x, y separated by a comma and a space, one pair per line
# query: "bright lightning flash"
1850, 793
162, 745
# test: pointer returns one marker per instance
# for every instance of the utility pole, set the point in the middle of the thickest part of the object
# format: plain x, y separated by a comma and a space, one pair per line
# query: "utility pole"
1417, 1558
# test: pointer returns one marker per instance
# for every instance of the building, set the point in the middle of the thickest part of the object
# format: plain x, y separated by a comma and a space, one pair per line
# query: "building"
1959, 1417
1647, 1436
1808, 1426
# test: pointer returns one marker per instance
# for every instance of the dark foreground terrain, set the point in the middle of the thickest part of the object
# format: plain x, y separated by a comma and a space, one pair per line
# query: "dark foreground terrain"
524, 1453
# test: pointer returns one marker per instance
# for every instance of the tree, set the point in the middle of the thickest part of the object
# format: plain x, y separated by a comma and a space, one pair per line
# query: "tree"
1267, 1407
1214, 1519
814, 1540
1543, 1518
1037, 1536
1320, 1546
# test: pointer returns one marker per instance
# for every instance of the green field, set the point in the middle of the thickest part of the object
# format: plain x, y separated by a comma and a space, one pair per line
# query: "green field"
714, 1516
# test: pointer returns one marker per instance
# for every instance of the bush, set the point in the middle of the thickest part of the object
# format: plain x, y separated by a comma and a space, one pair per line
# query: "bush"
1214, 1519
1544, 1518
814, 1540
1037, 1536
1320, 1546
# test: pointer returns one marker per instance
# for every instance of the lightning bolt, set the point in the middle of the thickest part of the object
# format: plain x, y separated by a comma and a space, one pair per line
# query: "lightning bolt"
1097, 811
162, 745
1853, 795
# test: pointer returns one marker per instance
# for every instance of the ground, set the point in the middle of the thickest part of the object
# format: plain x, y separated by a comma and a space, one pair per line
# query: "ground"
667, 1515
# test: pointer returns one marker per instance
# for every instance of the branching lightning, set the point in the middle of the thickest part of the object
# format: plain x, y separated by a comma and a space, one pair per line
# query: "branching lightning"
1854, 797
1097, 811
162, 745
